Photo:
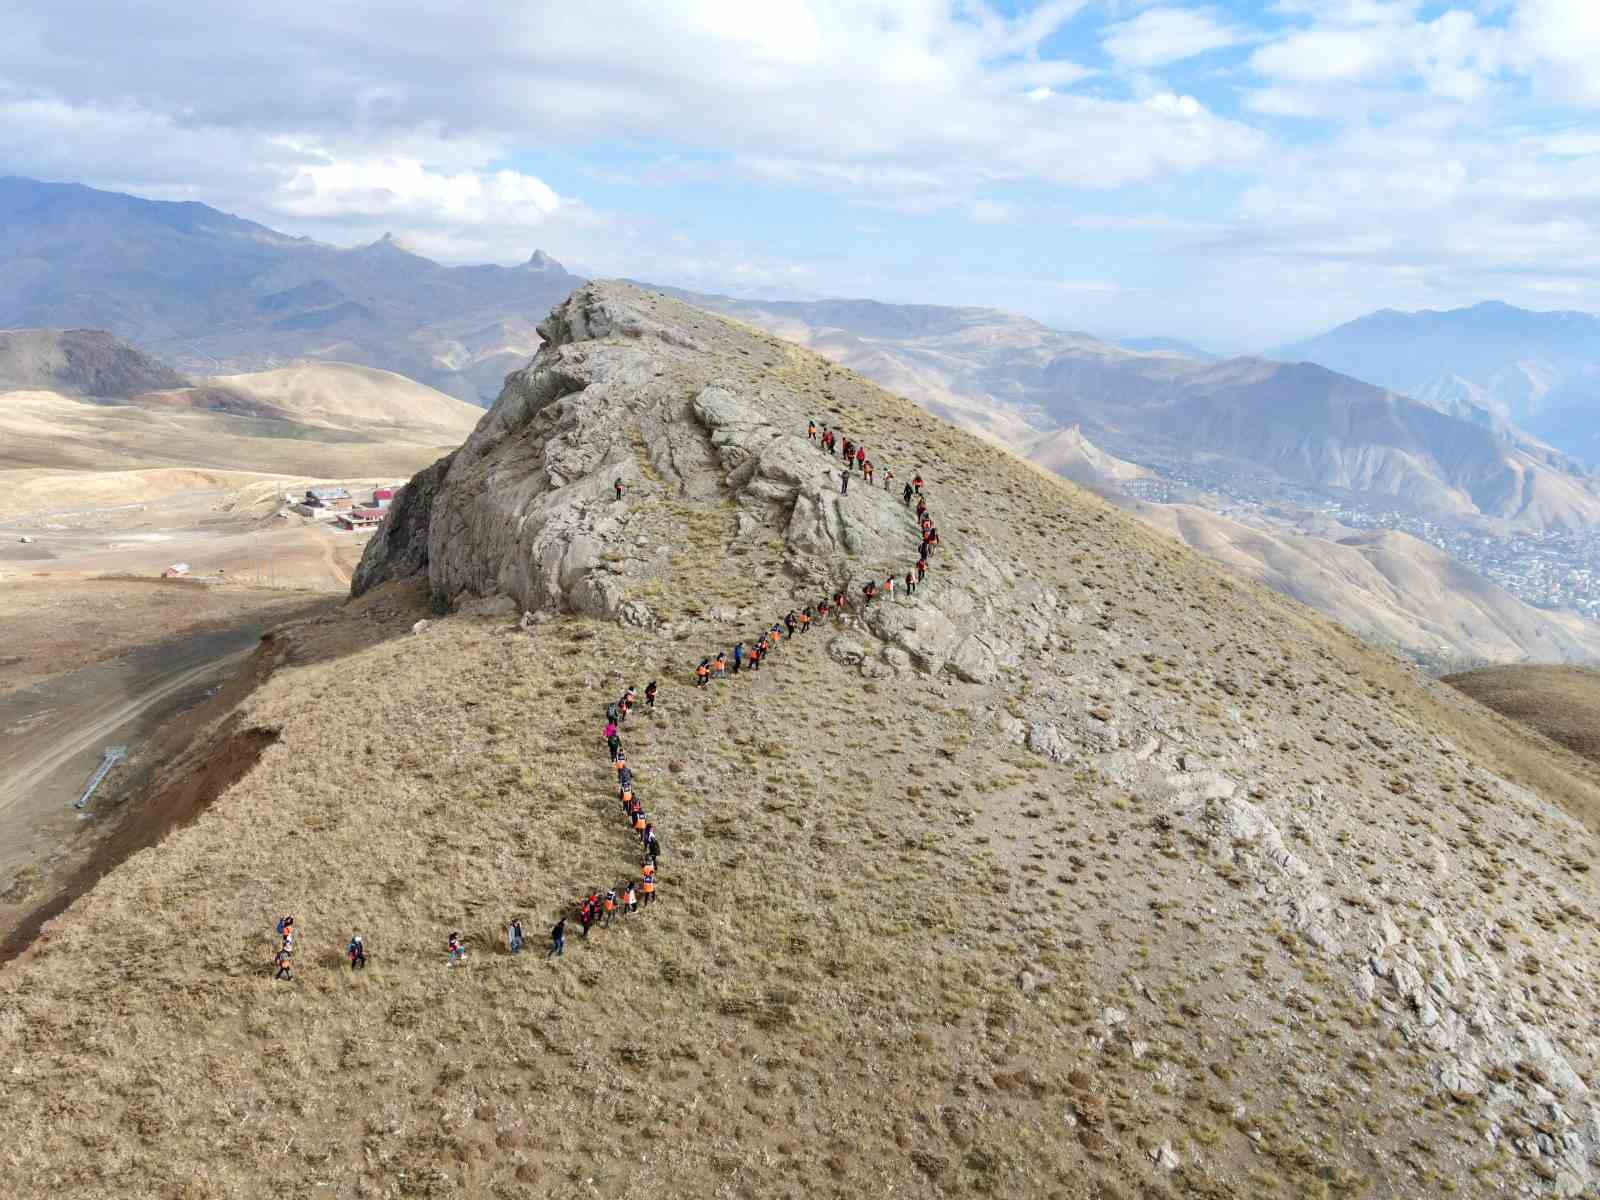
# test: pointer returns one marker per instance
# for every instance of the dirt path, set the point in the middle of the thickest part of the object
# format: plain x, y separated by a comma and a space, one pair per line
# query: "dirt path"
53, 734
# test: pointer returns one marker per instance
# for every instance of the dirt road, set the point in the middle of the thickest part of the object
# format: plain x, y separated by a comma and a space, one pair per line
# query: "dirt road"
52, 734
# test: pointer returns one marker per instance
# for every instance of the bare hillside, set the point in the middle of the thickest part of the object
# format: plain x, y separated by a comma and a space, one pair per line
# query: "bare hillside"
345, 396
78, 362
1084, 871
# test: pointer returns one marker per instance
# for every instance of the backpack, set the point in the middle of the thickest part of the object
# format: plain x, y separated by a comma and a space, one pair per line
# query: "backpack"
282, 923
611, 712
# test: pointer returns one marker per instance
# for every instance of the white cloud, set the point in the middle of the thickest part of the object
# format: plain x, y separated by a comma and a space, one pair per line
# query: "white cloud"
1159, 36
1558, 43
405, 188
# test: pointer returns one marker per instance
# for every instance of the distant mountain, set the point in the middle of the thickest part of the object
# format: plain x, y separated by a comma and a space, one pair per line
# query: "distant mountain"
1298, 424
211, 293
1162, 345
1498, 365
79, 362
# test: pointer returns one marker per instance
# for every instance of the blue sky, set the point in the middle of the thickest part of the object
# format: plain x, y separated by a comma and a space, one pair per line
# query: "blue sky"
1235, 173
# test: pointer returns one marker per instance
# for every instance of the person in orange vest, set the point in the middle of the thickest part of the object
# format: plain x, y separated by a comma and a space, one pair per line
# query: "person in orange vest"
630, 899
811, 430
702, 673
756, 652
805, 619
888, 587
284, 961
719, 668
866, 471
639, 822
608, 905
647, 885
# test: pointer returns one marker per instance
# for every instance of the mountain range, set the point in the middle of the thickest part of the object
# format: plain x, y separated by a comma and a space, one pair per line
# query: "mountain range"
211, 293
1295, 424
1493, 363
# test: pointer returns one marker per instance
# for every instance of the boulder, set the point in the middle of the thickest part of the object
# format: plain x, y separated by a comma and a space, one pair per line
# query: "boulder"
847, 651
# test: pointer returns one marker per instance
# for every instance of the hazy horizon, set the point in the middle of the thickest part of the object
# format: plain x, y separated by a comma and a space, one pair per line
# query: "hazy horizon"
1238, 174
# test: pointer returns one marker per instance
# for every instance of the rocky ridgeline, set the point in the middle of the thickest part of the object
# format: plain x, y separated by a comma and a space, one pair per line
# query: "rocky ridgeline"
1444, 912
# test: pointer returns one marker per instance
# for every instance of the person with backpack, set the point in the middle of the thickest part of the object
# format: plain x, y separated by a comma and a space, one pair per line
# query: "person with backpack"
844, 483
888, 587
869, 590
738, 656
888, 477
608, 907
866, 471
625, 777
805, 619
514, 937
849, 452
906, 495
286, 928
650, 694
558, 938
284, 962
647, 885
861, 460
356, 952
630, 898
652, 844
456, 949
585, 915
916, 482
719, 668
625, 705
702, 673
922, 567
617, 483
613, 742
911, 584
811, 431
789, 622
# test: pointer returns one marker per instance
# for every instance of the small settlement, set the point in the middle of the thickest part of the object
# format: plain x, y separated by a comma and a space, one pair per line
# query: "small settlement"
335, 503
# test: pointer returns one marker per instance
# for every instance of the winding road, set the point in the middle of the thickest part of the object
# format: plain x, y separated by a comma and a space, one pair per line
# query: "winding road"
52, 734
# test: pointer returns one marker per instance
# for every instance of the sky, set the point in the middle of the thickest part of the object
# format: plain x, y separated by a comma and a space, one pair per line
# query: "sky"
1235, 173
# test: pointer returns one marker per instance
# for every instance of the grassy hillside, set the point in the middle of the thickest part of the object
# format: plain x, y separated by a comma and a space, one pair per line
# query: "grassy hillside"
1562, 703
1198, 897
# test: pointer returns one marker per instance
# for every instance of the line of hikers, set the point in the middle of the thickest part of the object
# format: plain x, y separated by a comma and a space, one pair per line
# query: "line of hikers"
600, 907
597, 907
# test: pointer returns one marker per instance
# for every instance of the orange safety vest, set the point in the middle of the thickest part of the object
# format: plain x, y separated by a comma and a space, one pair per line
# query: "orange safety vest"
630, 898
611, 905
702, 671
647, 870
649, 885
638, 822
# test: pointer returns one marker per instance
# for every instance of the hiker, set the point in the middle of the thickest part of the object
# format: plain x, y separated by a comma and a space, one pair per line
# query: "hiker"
652, 844
811, 431
608, 907
613, 742
844, 483
457, 950
775, 634
933, 538
702, 673
906, 496
869, 590
888, 587
738, 656
720, 666
558, 938
640, 822
888, 477
617, 483
647, 885
849, 451
612, 713
626, 703
755, 657
805, 620
585, 915
866, 471
286, 928
823, 608
650, 694
356, 952
911, 584
630, 898
922, 567
861, 459
514, 935
621, 764
625, 778
283, 960
922, 509
916, 482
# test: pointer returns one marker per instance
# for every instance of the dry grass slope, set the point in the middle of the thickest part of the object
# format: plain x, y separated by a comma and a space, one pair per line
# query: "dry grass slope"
895, 952
1562, 703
